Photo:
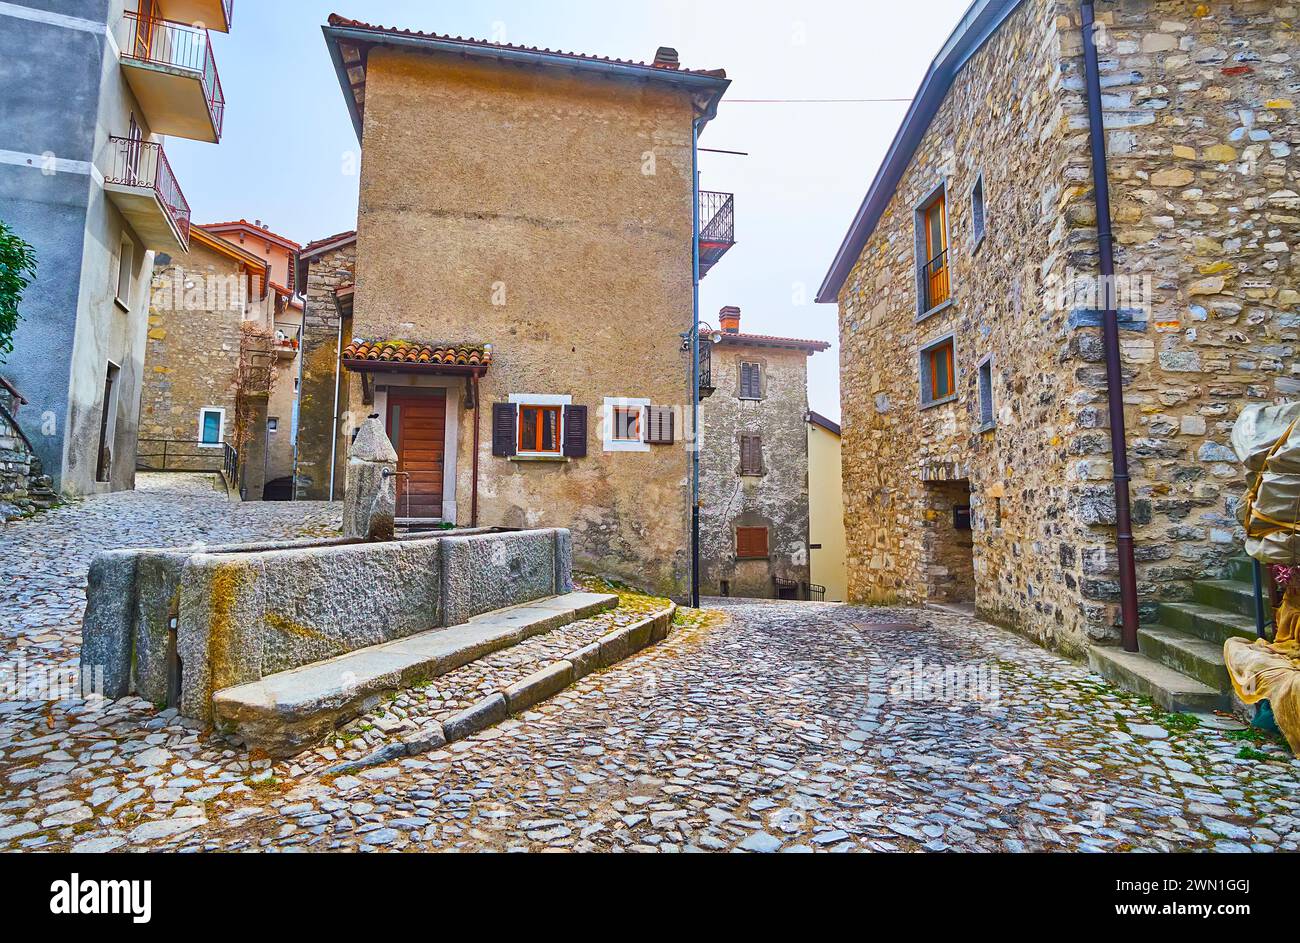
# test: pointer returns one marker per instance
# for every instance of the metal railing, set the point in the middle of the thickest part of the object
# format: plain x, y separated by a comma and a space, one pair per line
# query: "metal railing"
934, 280
230, 464
717, 218
706, 366
230, 12
176, 455
136, 163
816, 593
179, 46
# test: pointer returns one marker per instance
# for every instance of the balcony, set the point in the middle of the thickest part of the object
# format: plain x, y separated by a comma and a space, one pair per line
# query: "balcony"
706, 368
717, 227
286, 340
214, 14
139, 181
171, 70
934, 282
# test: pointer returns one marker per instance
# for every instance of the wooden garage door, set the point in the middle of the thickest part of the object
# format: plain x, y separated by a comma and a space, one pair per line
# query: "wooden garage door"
417, 424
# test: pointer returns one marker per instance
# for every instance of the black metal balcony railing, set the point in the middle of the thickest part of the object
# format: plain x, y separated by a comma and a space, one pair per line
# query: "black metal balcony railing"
934, 281
717, 227
179, 46
136, 163
706, 368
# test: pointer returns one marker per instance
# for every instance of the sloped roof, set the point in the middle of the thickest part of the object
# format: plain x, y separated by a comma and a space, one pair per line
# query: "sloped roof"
771, 340
253, 229
350, 40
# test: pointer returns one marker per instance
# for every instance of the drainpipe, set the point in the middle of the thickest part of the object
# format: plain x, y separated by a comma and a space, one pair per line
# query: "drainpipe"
334, 432
695, 365
1110, 334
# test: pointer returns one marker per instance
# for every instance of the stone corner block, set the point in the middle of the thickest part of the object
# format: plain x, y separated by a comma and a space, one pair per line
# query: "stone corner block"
584, 660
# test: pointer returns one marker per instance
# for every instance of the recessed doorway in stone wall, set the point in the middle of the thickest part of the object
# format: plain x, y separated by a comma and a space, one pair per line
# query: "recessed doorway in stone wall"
948, 543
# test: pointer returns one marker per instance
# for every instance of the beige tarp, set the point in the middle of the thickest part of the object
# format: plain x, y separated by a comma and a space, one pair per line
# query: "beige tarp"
1267, 440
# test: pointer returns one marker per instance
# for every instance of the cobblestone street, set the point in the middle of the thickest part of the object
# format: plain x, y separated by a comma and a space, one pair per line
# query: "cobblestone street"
760, 727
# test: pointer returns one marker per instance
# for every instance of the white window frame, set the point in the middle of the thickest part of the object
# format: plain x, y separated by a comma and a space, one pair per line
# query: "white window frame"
607, 424
221, 428
125, 255
540, 399
273, 424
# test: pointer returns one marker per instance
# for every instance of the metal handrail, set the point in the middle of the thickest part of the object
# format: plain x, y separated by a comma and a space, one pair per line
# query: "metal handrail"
720, 211
177, 455
178, 45
136, 163
935, 281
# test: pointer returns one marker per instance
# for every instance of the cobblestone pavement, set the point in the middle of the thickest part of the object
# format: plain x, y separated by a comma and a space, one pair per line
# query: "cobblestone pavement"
764, 727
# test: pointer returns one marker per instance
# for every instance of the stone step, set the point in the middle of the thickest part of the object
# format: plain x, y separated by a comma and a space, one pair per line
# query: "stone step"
290, 711
1167, 687
1241, 570
1229, 595
1207, 622
1190, 654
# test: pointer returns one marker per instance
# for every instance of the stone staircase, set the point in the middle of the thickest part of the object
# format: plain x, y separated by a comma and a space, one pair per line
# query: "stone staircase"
1179, 664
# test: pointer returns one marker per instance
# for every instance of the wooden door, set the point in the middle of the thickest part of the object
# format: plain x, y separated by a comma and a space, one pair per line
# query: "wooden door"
417, 424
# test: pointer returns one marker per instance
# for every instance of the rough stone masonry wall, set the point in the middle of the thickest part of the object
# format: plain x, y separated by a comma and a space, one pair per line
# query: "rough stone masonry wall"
555, 224
1003, 119
192, 352
1200, 101
328, 272
778, 499
16, 460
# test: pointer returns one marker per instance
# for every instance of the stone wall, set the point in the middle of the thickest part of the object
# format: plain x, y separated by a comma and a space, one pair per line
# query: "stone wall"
545, 229
320, 357
1183, 84
16, 462
777, 499
192, 352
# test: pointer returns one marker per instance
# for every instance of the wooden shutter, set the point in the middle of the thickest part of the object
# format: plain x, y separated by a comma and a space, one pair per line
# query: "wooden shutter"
660, 428
751, 455
504, 417
751, 381
575, 431
751, 543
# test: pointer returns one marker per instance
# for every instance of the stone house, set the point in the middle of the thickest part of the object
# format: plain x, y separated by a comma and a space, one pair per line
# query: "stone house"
520, 302
24, 487
827, 553
754, 465
325, 274
211, 319
281, 255
977, 438
91, 89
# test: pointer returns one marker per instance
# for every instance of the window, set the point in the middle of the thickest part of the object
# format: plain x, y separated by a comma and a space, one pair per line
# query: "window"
539, 426
751, 381
751, 543
273, 425
661, 425
627, 423
539, 429
938, 373
932, 248
988, 418
624, 424
125, 268
751, 455
977, 210
212, 427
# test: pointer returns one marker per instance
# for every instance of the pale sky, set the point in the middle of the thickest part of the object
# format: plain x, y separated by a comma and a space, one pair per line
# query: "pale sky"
288, 142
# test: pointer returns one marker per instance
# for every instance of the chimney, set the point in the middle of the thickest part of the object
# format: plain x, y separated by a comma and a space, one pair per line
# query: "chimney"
666, 58
729, 320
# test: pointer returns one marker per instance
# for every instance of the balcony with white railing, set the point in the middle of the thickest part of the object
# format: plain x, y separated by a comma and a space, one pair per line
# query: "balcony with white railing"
139, 181
173, 73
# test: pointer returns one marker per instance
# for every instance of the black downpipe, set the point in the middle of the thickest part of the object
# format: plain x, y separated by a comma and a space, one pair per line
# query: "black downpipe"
1110, 335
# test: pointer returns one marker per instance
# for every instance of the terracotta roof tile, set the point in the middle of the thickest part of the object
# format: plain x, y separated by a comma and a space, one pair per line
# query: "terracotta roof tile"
410, 352
336, 20
774, 341
316, 244
252, 228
